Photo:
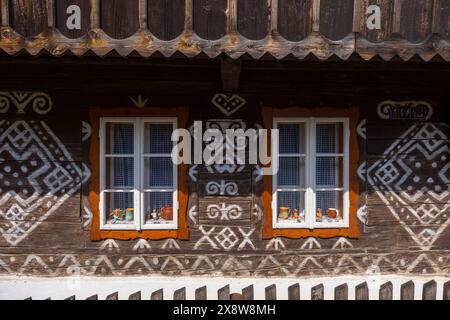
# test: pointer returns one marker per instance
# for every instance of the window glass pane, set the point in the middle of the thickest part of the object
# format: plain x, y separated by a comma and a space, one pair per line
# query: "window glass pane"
329, 172
291, 207
158, 138
329, 206
291, 172
158, 207
119, 138
329, 137
119, 173
158, 172
119, 207
292, 138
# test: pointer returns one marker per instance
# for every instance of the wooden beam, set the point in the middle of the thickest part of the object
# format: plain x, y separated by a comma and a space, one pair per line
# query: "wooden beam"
50, 6
436, 27
232, 16
316, 16
5, 13
188, 17
357, 15
231, 74
143, 14
397, 15
95, 14
273, 18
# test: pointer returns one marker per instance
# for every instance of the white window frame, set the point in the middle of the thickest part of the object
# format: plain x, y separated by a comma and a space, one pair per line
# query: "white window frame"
310, 175
138, 189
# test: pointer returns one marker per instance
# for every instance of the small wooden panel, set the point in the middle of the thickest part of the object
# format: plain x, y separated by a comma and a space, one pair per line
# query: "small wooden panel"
62, 16
210, 18
29, 18
253, 18
341, 292
317, 292
446, 293
120, 19
201, 293
135, 296
362, 291
416, 19
444, 19
113, 296
166, 18
336, 18
295, 19
407, 291
224, 293
157, 295
429, 290
70, 298
387, 13
94, 297
271, 292
386, 291
248, 293
294, 292
180, 294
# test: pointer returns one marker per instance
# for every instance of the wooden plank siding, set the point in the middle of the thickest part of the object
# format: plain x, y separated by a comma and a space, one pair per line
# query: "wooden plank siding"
323, 28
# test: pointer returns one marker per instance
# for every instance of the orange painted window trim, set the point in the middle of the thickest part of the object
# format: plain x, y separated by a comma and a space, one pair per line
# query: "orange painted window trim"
94, 187
352, 231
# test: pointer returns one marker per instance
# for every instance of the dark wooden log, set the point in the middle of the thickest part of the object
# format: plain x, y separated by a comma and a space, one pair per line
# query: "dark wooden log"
120, 19
135, 296
157, 295
336, 18
296, 19
247, 293
386, 291
407, 291
429, 290
201, 293
317, 292
93, 297
224, 293
29, 18
271, 292
113, 296
166, 18
70, 298
341, 292
416, 19
362, 291
231, 74
446, 293
180, 294
253, 18
294, 292
210, 18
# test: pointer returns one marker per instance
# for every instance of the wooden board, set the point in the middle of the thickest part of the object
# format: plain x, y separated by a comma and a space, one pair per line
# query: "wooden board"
29, 18
120, 19
210, 18
166, 18
253, 18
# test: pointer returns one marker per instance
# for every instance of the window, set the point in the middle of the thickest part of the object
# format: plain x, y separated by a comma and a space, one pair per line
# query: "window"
315, 192
310, 189
138, 180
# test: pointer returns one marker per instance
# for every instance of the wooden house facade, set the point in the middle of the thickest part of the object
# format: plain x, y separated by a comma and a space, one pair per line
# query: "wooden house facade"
91, 91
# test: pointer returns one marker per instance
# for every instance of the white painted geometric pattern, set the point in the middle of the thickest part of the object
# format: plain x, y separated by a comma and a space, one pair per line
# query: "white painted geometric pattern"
43, 177
419, 203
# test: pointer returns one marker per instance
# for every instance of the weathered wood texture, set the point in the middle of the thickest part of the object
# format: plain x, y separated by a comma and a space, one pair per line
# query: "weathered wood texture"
210, 18
294, 292
120, 19
332, 27
166, 18
386, 291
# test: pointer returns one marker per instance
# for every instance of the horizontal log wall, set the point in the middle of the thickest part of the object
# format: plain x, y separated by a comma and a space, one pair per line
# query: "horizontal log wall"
59, 244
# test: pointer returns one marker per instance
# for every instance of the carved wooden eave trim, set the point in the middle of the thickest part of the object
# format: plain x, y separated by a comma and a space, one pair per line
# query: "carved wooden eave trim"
234, 45
434, 47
